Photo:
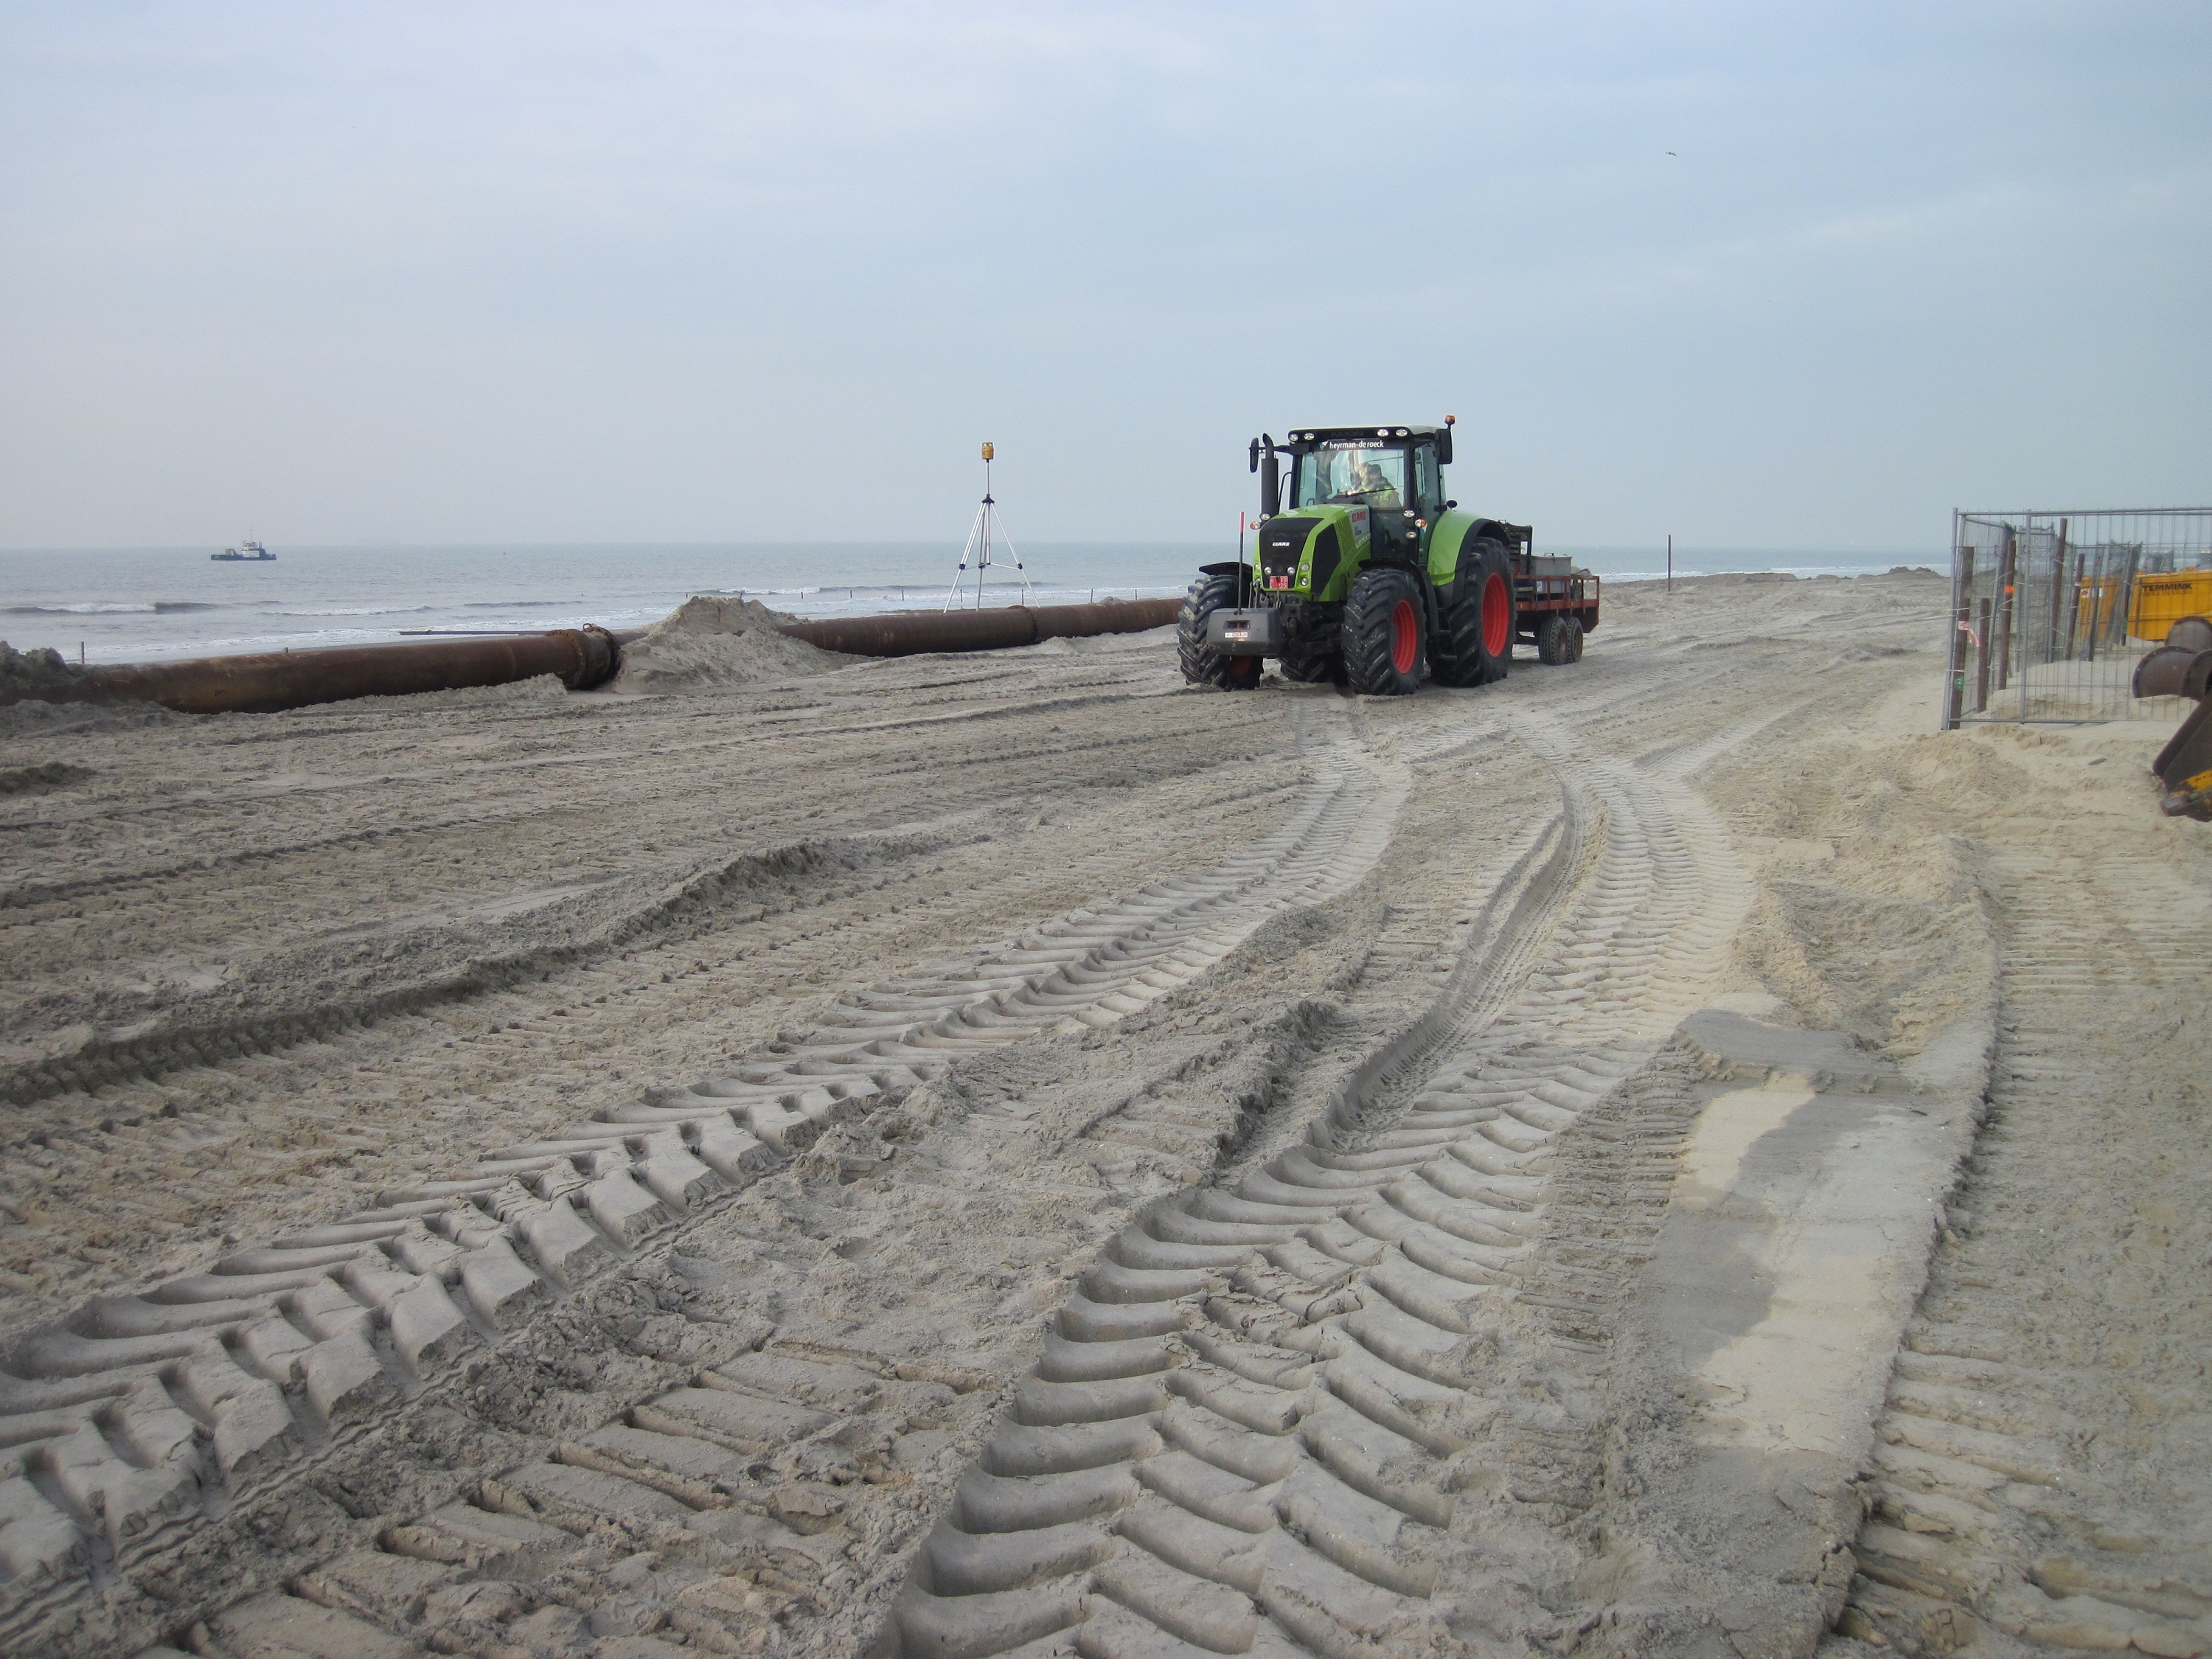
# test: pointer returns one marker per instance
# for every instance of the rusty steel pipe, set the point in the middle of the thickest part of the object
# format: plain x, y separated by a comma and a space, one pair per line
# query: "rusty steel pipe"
909, 633
2178, 667
268, 681
2170, 672
582, 658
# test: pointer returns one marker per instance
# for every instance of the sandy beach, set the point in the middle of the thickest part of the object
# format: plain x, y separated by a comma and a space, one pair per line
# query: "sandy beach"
1008, 1154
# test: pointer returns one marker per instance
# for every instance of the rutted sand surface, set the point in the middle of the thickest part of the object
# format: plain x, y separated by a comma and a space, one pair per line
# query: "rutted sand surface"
963, 1156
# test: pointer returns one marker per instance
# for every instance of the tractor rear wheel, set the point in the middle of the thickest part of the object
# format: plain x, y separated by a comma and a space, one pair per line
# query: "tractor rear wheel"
1476, 644
1203, 664
1386, 633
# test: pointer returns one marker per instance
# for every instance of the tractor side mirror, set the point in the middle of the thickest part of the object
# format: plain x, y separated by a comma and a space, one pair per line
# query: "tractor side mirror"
1270, 485
1256, 454
1443, 447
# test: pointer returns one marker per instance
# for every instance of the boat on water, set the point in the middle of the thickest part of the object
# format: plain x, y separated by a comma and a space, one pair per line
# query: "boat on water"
247, 550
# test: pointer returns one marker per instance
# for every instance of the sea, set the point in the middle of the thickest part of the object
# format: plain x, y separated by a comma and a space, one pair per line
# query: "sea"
146, 604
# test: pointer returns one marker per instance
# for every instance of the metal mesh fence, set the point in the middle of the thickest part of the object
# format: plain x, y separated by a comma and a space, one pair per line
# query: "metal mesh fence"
2050, 611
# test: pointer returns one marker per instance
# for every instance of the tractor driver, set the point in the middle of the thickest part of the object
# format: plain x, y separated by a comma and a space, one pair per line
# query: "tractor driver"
1368, 481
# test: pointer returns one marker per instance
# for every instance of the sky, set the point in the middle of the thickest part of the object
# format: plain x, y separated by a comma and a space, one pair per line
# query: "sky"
1775, 276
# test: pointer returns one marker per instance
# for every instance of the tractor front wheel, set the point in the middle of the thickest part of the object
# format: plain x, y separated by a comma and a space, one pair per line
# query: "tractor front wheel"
1386, 633
1203, 664
1311, 669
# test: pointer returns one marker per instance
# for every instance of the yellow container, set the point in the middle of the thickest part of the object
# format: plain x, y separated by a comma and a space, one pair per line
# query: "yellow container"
2163, 600
2096, 602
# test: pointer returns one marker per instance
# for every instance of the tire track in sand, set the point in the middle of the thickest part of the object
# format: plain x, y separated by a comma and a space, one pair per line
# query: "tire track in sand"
2025, 1485
1241, 1436
135, 1417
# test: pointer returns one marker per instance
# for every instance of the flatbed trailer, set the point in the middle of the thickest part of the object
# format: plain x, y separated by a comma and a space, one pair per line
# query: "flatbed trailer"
1546, 584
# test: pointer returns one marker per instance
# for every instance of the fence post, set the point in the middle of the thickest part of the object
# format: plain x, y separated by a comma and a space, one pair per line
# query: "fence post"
1962, 594
2074, 597
2094, 587
2008, 572
2128, 595
1982, 671
2057, 594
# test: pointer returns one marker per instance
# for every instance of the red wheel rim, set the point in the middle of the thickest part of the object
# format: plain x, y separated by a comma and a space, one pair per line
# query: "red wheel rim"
1497, 616
1405, 637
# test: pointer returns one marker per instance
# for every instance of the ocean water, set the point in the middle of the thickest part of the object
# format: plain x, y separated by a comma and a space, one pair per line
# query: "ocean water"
138, 605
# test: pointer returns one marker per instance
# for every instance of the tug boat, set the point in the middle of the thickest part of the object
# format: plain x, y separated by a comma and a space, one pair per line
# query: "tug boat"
249, 549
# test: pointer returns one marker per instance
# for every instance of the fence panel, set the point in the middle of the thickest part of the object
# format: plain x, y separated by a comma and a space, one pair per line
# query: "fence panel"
2050, 611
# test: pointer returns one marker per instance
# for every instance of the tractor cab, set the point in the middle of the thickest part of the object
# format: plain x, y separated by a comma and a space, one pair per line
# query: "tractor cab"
1356, 472
1392, 475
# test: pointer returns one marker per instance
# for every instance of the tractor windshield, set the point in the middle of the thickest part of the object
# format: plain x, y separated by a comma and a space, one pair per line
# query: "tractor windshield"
1348, 472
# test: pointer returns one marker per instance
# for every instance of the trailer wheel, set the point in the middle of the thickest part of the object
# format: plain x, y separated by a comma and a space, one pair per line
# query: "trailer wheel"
1201, 664
1386, 643
1553, 645
1476, 644
1573, 630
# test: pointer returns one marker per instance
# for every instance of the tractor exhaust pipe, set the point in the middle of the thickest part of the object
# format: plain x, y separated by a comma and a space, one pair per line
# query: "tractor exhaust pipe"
268, 681
1264, 463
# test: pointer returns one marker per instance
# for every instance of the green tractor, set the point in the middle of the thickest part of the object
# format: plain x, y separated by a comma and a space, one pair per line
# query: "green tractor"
1363, 574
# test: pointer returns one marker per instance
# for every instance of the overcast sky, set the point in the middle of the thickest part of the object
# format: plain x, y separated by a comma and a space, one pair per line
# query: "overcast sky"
664, 271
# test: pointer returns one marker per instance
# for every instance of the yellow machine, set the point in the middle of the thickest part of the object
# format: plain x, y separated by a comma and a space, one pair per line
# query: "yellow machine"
2161, 601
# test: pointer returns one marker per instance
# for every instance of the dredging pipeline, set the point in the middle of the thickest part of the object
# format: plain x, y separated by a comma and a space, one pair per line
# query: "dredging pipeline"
910, 633
582, 658
267, 681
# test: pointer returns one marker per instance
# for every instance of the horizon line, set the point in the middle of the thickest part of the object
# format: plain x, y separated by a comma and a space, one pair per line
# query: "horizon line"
1657, 547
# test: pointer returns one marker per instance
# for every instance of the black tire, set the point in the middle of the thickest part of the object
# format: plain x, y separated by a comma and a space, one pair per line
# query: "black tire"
1311, 669
1553, 646
1573, 630
1476, 644
1386, 633
1201, 664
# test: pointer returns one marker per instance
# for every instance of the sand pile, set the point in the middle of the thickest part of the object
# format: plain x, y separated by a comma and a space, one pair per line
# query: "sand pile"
33, 673
714, 640
538, 688
35, 780
33, 718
